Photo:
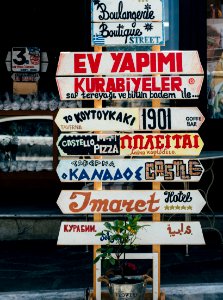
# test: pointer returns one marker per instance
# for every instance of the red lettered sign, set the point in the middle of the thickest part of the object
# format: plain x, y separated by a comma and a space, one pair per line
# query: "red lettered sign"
113, 63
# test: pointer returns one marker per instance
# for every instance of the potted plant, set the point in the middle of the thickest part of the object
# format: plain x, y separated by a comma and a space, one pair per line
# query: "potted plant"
121, 236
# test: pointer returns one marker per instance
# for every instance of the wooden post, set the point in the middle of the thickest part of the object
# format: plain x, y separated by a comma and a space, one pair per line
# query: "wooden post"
97, 187
156, 186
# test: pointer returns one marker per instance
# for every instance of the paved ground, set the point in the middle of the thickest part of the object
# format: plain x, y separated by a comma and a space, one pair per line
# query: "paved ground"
42, 265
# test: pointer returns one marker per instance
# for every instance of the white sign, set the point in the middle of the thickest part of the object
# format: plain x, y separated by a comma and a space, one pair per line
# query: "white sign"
117, 63
131, 201
129, 119
93, 119
171, 119
159, 144
25, 59
127, 33
129, 170
161, 233
129, 88
124, 10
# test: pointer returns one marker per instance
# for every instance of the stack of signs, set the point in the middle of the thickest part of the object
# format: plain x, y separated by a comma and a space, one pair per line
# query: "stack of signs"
141, 144
25, 65
128, 76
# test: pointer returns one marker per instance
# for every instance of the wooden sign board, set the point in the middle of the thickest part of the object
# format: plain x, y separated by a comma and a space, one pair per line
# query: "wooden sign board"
129, 170
129, 88
25, 59
171, 119
160, 144
107, 119
123, 202
123, 10
129, 119
118, 63
158, 233
25, 88
43, 63
127, 34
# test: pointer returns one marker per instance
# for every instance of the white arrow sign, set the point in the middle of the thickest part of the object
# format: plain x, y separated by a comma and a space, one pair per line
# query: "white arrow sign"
122, 202
159, 144
107, 119
129, 119
129, 170
161, 233
117, 63
124, 10
129, 88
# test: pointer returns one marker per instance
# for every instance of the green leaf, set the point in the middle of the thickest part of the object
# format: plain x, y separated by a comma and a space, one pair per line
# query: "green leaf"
112, 260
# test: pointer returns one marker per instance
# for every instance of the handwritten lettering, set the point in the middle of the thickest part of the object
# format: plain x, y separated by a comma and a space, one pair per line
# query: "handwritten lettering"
113, 205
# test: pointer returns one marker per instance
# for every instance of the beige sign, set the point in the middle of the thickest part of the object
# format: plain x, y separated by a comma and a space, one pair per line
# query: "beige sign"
134, 201
129, 170
161, 233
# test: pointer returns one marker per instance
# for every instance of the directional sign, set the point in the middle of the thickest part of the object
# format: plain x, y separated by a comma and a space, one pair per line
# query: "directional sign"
174, 144
127, 33
43, 57
135, 11
92, 119
171, 119
129, 119
129, 170
161, 233
117, 63
122, 202
129, 88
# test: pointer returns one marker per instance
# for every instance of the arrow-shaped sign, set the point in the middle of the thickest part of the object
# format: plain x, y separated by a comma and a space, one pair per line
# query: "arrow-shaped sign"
161, 233
129, 88
171, 144
129, 170
117, 63
131, 201
129, 119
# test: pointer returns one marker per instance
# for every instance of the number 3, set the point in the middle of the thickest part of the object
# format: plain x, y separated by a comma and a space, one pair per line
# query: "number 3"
20, 55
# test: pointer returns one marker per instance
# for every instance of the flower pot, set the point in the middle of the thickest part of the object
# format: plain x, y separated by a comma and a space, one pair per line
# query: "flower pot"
133, 288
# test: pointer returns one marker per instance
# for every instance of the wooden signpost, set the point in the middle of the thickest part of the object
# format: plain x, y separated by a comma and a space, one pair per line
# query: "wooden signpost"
134, 201
130, 88
119, 22
129, 119
174, 144
129, 170
162, 233
119, 63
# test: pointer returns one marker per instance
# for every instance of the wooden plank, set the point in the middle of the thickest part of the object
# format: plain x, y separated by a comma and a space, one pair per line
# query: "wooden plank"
127, 33
94, 119
134, 11
162, 233
129, 170
25, 88
130, 201
138, 62
129, 88
129, 119
171, 144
